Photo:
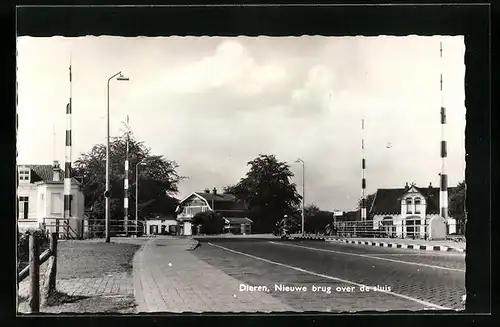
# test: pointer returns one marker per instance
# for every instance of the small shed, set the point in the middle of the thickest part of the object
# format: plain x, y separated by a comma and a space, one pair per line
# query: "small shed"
161, 225
234, 225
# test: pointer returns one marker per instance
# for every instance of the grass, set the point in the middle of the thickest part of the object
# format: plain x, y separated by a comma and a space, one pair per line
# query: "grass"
80, 259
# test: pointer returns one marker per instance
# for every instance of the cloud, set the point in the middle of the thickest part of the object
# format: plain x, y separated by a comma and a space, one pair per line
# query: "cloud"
231, 66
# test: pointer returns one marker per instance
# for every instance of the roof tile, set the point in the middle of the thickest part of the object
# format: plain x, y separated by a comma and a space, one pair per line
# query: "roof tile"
45, 173
388, 201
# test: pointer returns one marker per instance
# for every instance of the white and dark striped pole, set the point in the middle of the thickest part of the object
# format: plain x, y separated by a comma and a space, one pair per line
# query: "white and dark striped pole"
363, 167
67, 164
125, 200
443, 191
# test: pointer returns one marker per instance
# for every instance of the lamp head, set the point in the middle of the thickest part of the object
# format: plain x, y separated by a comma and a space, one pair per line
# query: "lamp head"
122, 78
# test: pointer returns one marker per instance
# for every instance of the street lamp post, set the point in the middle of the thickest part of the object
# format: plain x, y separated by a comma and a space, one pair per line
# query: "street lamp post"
107, 192
303, 191
140, 163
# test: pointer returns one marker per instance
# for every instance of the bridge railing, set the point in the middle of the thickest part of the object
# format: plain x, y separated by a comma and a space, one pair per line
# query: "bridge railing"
96, 228
379, 229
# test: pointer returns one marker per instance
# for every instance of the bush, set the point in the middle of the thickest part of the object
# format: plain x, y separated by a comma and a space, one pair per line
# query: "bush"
23, 245
211, 223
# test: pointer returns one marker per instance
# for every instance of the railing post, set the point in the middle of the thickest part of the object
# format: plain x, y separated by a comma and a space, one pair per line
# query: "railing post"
57, 226
53, 252
34, 257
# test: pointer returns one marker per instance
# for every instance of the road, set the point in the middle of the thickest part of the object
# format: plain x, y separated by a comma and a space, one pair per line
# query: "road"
406, 279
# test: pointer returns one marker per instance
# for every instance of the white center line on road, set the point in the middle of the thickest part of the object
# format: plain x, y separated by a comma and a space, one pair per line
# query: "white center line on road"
425, 303
371, 257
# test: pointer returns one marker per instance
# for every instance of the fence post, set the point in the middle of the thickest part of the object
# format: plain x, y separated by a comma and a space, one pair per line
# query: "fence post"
53, 271
34, 257
57, 226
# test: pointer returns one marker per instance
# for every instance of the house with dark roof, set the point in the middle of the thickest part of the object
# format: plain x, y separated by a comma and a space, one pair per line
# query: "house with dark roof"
41, 193
405, 212
232, 211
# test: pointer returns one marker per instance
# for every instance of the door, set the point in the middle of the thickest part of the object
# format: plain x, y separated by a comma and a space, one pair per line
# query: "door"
187, 228
26, 208
413, 227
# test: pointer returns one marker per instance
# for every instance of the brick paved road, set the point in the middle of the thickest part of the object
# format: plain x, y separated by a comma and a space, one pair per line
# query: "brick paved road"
167, 278
440, 287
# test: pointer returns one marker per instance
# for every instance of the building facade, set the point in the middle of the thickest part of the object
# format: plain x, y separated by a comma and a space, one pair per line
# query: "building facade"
408, 212
161, 225
224, 204
40, 197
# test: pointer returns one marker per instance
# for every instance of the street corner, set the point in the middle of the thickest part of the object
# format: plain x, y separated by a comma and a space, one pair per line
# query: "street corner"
193, 245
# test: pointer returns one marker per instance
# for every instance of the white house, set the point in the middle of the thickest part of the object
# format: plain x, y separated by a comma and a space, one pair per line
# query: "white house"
40, 197
409, 211
225, 204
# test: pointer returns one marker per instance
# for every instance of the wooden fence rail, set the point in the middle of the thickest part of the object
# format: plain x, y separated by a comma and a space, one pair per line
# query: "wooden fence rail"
33, 270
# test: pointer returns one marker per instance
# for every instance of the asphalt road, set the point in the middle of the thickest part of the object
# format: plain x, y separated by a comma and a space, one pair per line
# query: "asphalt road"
407, 279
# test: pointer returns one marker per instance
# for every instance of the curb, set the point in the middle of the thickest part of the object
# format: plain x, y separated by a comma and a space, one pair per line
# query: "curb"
317, 238
137, 279
194, 244
440, 248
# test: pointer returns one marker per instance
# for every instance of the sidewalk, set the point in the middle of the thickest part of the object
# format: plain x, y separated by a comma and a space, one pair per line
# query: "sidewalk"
168, 278
425, 245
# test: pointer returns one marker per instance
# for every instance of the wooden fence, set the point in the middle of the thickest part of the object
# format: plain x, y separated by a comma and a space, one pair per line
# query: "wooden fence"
61, 226
33, 271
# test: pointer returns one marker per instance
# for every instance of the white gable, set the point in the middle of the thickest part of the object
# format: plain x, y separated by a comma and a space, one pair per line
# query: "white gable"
413, 192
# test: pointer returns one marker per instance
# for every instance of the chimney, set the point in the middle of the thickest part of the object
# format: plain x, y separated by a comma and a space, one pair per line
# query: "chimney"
214, 191
406, 185
207, 190
56, 171
430, 185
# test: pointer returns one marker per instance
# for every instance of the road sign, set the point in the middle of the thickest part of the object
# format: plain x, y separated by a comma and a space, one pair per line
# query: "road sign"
107, 194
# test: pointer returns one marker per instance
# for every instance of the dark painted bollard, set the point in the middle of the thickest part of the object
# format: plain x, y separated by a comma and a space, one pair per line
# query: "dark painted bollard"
34, 257
53, 250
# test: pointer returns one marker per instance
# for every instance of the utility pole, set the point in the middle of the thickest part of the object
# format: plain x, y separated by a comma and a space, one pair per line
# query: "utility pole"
125, 200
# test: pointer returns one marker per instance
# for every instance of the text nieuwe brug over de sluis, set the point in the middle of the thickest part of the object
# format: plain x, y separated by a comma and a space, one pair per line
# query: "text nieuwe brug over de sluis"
313, 288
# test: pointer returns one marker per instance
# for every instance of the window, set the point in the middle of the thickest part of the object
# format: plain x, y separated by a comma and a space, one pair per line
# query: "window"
417, 205
23, 207
24, 175
408, 205
56, 204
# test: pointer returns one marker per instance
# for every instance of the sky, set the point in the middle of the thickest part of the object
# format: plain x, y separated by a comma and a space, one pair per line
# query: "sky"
214, 103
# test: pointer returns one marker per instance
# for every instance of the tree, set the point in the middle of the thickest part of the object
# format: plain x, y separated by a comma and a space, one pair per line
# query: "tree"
311, 210
267, 192
369, 201
316, 220
211, 222
158, 180
457, 207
